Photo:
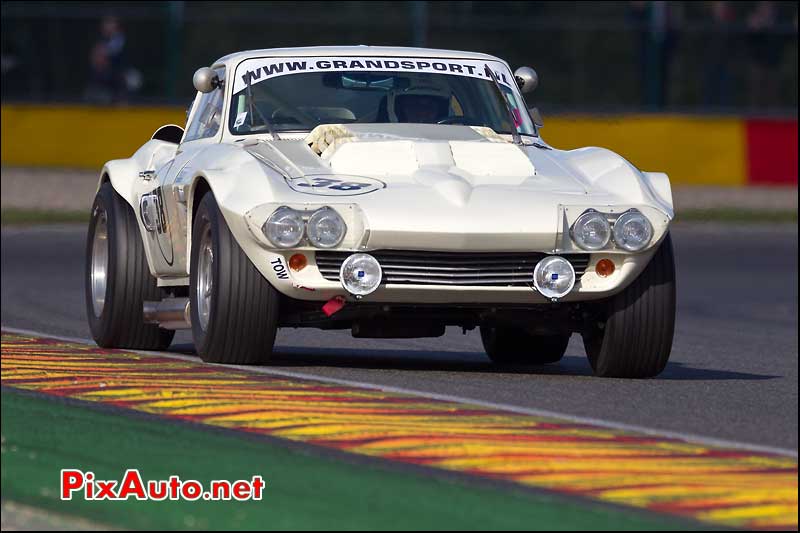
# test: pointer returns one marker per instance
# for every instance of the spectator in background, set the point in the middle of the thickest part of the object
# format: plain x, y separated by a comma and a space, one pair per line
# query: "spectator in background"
107, 82
766, 47
718, 55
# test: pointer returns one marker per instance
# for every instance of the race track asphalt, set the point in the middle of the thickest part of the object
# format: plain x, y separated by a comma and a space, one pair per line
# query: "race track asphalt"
732, 374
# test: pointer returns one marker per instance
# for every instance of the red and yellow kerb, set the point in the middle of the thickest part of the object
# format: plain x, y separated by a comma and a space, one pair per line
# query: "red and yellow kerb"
723, 486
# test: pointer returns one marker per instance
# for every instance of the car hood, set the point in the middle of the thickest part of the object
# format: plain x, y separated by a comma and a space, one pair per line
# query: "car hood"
443, 187
451, 160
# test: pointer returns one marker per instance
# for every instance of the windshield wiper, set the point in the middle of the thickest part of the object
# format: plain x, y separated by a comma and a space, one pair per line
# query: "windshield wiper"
514, 133
251, 107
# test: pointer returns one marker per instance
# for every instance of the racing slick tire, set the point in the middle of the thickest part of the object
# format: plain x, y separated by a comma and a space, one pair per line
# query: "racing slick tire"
515, 345
234, 310
636, 338
117, 278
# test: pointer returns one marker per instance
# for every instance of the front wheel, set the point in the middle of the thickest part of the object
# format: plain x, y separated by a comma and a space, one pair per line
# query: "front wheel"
234, 309
634, 338
515, 345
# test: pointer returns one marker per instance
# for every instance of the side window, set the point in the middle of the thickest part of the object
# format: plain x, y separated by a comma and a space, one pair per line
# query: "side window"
208, 117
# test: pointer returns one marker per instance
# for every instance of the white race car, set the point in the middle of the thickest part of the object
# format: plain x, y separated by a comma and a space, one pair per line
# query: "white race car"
390, 191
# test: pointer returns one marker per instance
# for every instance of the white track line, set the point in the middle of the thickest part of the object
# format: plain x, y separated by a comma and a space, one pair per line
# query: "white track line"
695, 439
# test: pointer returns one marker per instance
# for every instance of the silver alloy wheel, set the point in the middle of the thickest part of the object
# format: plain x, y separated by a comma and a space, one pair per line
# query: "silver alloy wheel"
99, 272
205, 283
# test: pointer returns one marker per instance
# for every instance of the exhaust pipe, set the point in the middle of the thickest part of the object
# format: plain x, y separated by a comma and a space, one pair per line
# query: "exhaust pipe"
170, 313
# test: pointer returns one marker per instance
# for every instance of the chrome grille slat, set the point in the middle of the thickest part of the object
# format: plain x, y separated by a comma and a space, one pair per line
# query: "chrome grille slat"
423, 268
390, 262
459, 283
450, 268
461, 275
455, 260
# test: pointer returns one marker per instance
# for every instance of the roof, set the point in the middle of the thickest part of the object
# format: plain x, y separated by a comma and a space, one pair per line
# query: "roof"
360, 50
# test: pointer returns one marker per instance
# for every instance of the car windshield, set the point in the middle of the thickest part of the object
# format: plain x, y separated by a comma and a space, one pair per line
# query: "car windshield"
299, 95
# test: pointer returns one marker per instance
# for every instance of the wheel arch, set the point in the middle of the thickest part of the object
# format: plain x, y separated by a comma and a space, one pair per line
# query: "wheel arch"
609, 171
121, 173
236, 191
199, 188
124, 173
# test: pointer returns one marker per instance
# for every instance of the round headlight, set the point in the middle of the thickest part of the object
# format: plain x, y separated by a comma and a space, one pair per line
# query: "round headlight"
632, 231
284, 228
326, 228
360, 274
554, 276
591, 231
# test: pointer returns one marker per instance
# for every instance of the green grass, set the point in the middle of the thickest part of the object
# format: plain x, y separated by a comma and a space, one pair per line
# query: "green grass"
17, 217
725, 214
40, 436
18, 517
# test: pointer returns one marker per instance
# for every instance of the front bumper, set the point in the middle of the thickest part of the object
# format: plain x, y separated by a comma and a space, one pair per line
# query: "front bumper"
310, 283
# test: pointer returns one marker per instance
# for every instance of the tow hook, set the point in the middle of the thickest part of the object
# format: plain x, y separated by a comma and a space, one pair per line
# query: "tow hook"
333, 305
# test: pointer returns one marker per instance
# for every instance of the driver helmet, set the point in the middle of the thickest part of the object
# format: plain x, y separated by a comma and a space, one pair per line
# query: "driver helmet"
427, 105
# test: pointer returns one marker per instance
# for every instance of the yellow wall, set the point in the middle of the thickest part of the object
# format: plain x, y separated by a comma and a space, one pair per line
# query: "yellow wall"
692, 150
78, 136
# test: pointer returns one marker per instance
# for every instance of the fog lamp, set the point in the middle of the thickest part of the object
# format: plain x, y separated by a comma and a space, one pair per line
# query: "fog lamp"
360, 274
554, 276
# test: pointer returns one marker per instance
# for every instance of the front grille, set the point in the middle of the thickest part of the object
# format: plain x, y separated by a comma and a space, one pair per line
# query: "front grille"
507, 269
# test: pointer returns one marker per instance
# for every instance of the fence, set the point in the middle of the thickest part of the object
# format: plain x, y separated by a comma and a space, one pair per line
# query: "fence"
675, 56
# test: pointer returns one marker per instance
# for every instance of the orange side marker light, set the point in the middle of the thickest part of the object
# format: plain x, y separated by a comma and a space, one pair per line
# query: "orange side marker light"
604, 268
298, 262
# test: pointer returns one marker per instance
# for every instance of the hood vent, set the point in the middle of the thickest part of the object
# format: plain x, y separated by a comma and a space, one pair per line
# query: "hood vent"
326, 138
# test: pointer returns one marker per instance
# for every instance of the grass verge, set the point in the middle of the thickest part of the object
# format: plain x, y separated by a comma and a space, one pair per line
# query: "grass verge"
304, 490
17, 217
730, 214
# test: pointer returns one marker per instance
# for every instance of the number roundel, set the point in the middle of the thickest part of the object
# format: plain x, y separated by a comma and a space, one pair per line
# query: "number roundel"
327, 185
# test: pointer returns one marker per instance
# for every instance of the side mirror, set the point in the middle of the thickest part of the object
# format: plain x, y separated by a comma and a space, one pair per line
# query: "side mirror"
205, 80
527, 79
536, 117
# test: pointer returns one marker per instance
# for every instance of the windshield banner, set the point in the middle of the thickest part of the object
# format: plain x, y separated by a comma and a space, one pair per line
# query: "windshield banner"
260, 69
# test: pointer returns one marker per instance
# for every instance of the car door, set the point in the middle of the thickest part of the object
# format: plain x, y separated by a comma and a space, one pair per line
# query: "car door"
148, 190
203, 129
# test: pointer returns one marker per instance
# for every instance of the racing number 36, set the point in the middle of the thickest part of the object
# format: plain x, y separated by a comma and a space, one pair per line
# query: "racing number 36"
337, 185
